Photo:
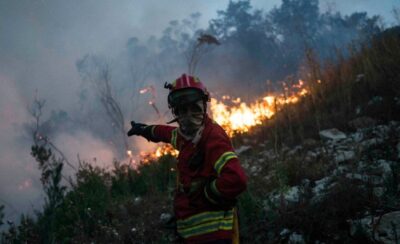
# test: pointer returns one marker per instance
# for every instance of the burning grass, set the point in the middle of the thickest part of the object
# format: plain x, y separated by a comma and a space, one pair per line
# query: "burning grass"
238, 117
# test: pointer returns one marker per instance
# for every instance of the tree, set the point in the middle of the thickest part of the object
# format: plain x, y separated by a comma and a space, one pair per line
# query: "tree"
296, 25
98, 72
1, 214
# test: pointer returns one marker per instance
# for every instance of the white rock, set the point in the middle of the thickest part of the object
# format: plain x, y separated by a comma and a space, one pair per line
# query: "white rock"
293, 194
255, 169
353, 176
385, 227
389, 225
364, 223
294, 150
340, 170
270, 155
375, 100
242, 149
384, 166
296, 238
361, 166
375, 180
383, 130
342, 156
310, 156
372, 179
378, 191
371, 142
357, 137
397, 99
165, 217
332, 134
398, 150
320, 185
268, 177
359, 77
358, 110
137, 200
284, 232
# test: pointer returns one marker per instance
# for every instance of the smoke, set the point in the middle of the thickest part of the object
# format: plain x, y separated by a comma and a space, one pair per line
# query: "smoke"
382, 8
19, 184
84, 146
40, 44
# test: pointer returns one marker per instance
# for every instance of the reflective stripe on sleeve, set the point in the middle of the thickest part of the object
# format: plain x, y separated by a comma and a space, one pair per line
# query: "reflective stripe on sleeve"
152, 130
212, 193
214, 188
223, 159
174, 135
209, 198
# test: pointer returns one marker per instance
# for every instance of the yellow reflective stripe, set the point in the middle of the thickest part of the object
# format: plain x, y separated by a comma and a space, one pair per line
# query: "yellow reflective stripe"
197, 225
152, 130
204, 216
214, 188
226, 224
223, 159
208, 197
206, 222
173, 137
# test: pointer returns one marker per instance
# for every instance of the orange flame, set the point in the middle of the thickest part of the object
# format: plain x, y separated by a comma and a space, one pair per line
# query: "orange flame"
238, 117
166, 149
241, 117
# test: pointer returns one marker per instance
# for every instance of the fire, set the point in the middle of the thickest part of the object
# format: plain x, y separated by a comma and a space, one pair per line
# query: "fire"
236, 116
163, 150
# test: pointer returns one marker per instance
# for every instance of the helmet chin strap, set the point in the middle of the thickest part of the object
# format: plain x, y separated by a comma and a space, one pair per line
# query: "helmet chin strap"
173, 120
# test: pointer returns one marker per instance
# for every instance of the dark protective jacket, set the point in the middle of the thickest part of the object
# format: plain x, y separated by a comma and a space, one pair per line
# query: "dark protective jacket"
209, 180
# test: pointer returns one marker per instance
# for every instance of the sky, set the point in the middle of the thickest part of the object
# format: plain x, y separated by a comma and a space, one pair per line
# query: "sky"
40, 41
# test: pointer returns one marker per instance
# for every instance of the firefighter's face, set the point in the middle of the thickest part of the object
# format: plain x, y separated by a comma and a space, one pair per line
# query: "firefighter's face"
190, 117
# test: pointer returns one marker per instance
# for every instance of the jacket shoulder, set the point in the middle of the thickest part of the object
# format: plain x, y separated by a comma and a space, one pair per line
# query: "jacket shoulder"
217, 136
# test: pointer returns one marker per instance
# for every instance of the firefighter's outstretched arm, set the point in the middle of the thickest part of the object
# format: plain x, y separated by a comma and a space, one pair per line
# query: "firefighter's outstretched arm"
154, 133
140, 129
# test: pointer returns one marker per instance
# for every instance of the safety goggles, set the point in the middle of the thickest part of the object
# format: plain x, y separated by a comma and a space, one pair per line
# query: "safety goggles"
195, 108
184, 96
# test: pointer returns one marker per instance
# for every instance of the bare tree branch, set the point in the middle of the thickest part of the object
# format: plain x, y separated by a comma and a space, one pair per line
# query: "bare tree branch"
36, 110
99, 74
198, 49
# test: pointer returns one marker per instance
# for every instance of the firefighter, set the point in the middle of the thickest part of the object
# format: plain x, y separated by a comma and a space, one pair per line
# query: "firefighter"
210, 177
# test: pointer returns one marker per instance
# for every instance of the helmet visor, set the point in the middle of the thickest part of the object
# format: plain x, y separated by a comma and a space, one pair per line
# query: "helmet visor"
184, 97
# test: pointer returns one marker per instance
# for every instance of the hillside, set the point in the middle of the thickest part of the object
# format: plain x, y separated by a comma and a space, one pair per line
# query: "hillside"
324, 170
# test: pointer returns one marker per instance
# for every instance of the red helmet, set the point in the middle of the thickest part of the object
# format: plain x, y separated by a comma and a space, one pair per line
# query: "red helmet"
186, 89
